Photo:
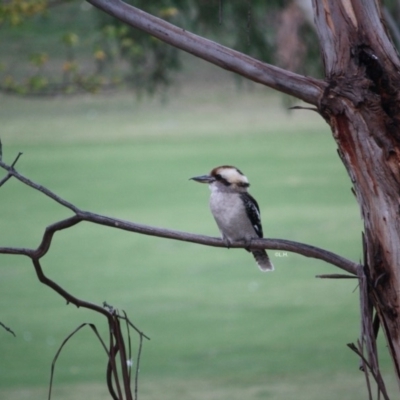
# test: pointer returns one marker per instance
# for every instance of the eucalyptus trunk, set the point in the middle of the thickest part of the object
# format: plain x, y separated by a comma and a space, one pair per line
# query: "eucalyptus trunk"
361, 105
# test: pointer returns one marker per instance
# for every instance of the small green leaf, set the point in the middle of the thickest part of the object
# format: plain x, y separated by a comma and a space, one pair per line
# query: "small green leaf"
70, 39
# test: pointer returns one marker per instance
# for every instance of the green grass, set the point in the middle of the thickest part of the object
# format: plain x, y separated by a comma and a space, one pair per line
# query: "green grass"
219, 328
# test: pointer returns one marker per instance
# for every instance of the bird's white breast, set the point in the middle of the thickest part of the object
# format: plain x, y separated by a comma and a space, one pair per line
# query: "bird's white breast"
230, 214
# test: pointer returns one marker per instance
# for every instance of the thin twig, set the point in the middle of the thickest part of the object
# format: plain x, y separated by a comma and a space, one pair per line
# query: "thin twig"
139, 354
366, 373
34, 185
112, 366
335, 276
134, 327
353, 347
109, 312
138, 366
122, 356
64, 342
62, 292
8, 329
16, 160
5, 179
128, 331
304, 108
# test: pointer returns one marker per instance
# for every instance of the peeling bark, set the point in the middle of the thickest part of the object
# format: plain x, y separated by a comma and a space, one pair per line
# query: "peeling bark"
361, 104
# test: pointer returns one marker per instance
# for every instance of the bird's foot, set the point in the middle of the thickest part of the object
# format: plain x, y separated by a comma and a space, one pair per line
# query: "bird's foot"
247, 243
227, 242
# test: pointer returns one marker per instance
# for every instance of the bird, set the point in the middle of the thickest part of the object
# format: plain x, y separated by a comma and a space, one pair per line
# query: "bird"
235, 211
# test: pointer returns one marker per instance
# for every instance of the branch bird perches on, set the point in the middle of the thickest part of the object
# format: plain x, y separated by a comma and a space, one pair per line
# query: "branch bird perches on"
117, 346
81, 215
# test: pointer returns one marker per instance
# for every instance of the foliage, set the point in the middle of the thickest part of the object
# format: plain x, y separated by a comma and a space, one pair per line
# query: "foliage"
100, 52
15, 11
84, 49
243, 25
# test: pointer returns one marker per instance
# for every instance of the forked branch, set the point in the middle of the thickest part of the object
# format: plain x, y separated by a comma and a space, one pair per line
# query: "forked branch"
117, 343
117, 347
81, 215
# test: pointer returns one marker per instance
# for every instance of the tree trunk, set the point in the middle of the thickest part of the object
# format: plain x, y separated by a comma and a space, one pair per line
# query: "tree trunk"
361, 104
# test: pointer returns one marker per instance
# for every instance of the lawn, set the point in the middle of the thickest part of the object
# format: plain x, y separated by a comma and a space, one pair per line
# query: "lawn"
219, 328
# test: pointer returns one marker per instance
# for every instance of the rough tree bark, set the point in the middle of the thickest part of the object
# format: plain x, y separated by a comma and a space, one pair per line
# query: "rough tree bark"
361, 104
359, 99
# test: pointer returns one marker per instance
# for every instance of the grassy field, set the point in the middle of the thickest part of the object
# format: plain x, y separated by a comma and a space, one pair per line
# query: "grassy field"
219, 328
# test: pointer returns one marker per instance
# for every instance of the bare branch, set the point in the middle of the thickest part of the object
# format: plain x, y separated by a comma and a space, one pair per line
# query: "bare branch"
64, 342
335, 276
138, 365
114, 332
365, 363
5, 179
8, 329
15, 174
49, 233
272, 244
304, 108
305, 88
16, 160
18, 251
123, 359
62, 292
112, 367
129, 322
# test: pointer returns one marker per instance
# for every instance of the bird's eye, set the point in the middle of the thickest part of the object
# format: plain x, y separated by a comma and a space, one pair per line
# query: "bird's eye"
218, 177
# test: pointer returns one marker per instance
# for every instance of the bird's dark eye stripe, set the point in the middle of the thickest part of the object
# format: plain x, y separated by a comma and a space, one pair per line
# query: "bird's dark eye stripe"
219, 178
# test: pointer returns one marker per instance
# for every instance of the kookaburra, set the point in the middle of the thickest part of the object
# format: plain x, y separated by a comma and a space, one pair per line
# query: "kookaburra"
236, 212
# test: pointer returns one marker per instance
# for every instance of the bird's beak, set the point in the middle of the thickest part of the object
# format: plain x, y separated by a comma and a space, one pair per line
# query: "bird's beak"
203, 179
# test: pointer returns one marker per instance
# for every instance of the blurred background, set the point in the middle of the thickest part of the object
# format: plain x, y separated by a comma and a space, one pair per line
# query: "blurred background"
125, 144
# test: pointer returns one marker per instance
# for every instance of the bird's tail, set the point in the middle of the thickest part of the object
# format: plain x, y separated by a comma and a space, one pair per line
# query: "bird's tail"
263, 261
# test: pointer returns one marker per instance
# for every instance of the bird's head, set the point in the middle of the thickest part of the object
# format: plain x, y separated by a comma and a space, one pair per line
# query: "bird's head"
225, 176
